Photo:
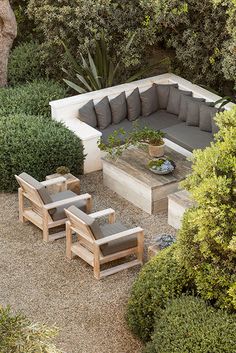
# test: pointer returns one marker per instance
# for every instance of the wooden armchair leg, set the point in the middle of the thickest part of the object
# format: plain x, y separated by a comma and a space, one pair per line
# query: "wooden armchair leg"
89, 205
68, 241
45, 226
96, 267
140, 239
21, 205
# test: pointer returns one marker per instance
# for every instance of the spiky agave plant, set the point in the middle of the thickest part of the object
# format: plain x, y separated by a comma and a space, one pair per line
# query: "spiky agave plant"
99, 71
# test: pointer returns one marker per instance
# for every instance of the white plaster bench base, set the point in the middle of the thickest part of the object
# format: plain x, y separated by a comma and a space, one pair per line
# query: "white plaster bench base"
178, 203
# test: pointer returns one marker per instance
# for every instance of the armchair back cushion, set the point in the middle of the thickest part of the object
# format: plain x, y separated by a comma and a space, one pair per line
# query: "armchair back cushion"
118, 108
87, 114
103, 112
134, 105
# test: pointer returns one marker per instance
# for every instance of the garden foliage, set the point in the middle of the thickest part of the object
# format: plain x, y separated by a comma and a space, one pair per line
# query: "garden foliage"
25, 64
31, 98
36, 146
207, 238
19, 335
188, 324
160, 280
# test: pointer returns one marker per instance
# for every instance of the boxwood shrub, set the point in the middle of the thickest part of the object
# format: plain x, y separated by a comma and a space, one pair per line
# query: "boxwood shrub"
189, 325
31, 98
160, 279
25, 64
36, 146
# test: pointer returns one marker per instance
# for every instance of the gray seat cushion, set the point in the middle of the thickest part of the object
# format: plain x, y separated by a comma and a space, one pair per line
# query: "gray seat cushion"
134, 105
189, 137
174, 100
118, 108
59, 212
158, 120
163, 91
119, 244
103, 112
87, 114
149, 101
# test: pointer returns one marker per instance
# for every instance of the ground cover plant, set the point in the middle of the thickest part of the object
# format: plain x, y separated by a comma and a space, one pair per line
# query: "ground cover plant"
37, 146
18, 334
31, 98
189, 325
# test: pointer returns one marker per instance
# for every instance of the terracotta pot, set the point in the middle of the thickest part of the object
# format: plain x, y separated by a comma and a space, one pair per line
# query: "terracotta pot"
156, 151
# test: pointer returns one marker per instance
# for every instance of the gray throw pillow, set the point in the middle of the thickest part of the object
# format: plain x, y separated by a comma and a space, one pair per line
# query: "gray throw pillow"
103, 112
193, 111
87, 114
214, 127
163, 92
134, 105
206, 115
118, 108
174, 100
184, 104
149, 101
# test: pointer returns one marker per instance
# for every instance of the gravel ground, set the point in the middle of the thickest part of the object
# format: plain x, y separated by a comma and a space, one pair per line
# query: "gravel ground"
36, 279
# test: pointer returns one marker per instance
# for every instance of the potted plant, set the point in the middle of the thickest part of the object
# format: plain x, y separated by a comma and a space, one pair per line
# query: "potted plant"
62, 170
120, 140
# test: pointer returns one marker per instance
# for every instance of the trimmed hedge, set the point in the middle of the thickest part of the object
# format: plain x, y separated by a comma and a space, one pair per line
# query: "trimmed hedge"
189, 325
25, 64
36, 146
31, 98
160, 280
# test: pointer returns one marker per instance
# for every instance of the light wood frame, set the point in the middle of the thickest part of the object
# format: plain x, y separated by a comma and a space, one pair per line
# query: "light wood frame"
38, 213
88, 248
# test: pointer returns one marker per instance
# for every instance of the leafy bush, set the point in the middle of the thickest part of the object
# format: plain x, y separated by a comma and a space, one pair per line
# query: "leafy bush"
32, 98
207, 238
189, 325
160, 279
18, 334
25, 64
36, 146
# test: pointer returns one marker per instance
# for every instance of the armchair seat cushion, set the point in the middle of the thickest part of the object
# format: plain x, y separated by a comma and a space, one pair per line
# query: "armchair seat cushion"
59, 212
119, 244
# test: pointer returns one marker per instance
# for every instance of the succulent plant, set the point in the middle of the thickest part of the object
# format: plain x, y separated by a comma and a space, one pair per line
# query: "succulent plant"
62, 170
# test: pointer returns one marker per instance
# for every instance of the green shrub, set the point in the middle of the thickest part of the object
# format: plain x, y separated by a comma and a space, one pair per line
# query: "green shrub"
189, 325
36, 146
160, 279
18, 334
207, 238
32, 98
25, 64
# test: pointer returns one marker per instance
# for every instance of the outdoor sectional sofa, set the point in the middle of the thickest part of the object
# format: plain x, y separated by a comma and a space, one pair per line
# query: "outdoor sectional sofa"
185, 120
166, 102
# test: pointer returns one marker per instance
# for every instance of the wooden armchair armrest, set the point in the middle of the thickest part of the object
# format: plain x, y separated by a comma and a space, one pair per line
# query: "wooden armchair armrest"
120, 235
67, 201
53, 181
102, 213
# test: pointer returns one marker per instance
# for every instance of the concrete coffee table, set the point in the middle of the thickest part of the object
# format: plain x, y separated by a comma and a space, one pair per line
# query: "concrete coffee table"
130, 178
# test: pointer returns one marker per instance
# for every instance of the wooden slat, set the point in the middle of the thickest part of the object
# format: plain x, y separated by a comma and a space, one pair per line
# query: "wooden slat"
82, 252
33, 217
118, 268
67, 201
57, 180
102, 213
56, 236
120, 235
118, 255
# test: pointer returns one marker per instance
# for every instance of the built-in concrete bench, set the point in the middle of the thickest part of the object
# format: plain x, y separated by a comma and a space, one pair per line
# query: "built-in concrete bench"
178, 203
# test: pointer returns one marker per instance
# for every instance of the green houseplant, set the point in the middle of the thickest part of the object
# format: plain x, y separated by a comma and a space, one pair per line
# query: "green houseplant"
120, 140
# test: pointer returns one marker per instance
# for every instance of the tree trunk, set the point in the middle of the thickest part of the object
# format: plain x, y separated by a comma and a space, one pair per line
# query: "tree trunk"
8, 32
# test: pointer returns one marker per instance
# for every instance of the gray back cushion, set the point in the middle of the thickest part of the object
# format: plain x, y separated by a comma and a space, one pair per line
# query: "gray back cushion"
103, 112
87, 114
193, 111
42, 190
149, 101
134, 105
184, 100
206, 115
90, 221
118, 108
174, 100
163, 92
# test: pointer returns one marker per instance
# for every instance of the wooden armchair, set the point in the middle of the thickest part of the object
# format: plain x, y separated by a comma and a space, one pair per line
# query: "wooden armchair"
98, 245
44, 210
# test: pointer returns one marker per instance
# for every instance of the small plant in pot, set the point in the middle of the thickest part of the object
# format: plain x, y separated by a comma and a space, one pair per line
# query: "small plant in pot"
120, 140
62, 170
